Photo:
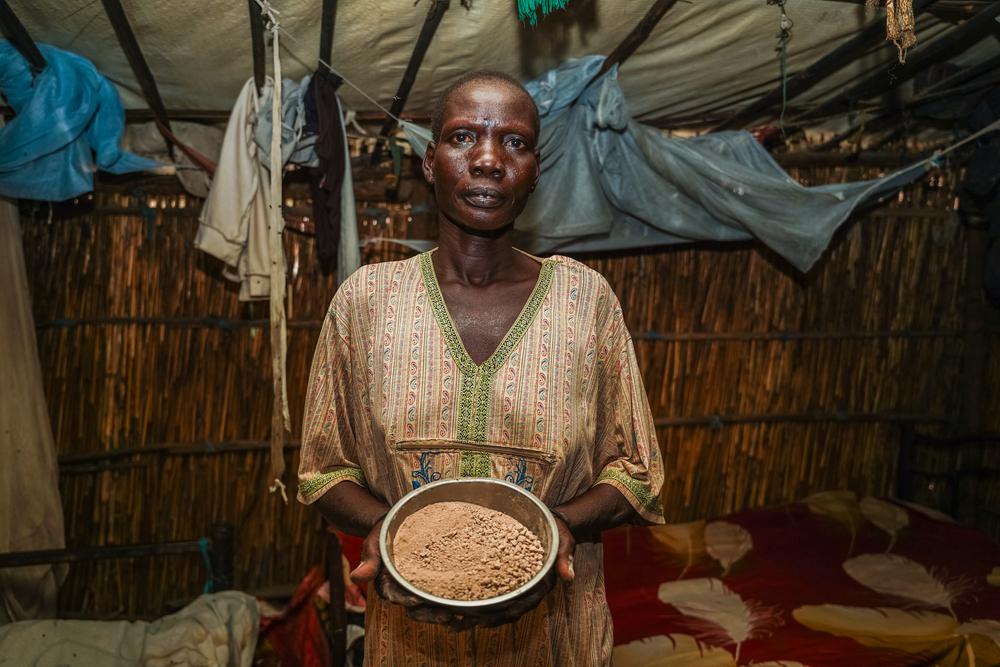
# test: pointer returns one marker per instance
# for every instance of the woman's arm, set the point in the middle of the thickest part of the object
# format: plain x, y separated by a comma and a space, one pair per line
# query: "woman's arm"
354, 510
351, 509
582, 519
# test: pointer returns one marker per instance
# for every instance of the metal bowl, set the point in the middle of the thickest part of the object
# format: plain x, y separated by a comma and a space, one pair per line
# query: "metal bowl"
495, 494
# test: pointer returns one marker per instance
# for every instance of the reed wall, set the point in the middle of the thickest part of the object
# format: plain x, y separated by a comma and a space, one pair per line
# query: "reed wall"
767, 385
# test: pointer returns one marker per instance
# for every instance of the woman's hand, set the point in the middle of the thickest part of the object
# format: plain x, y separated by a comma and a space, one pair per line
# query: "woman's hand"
567, 545
370, 570
371, 558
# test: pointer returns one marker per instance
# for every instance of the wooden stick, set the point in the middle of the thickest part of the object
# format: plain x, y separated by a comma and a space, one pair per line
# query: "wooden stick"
717, 421
126, 37
338, 610
834, 61
639, 34
23, 558
328, 20
434, 15
15, 31
257, 44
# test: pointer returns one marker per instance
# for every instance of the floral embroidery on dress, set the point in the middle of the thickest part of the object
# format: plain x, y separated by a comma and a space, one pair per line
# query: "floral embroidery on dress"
519, 475
425, 474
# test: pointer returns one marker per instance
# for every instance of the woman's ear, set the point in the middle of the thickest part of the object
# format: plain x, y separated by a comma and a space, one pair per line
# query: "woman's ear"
428, 163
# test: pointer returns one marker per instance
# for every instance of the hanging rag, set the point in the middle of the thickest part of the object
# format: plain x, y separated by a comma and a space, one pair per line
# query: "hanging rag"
327, 179
233, 224
68, 121
297, 144
31, 515
610, 183
280, 420
900, 24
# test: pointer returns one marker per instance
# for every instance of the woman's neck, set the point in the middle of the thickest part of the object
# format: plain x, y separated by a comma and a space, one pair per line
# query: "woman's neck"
473, 259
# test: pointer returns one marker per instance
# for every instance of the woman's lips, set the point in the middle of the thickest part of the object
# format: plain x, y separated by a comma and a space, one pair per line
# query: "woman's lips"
483, 197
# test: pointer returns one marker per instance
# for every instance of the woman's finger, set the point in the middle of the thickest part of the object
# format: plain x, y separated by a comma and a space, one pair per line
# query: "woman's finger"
366, 571
371, 559
564, 558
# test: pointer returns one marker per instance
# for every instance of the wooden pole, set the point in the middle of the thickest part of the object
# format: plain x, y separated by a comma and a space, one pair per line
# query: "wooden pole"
329, 19
257, 44
338, 610
832, 62
15, 31
639, 34
434, 15
975, 353
222, 556
891, 74
126, 37
48, 556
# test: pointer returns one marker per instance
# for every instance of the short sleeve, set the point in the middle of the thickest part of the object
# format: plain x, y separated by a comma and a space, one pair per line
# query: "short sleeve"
329, 444
627, 454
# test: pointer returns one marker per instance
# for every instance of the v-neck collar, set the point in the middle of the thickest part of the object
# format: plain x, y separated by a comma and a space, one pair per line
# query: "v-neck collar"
510, 339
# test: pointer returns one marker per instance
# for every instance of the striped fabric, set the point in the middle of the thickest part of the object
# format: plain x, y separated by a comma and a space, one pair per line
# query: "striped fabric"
395, 402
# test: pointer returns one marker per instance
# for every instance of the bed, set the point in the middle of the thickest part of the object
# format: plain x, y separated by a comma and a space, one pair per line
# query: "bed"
832, 580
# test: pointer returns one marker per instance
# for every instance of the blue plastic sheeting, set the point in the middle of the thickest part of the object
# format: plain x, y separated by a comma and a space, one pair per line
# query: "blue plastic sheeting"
611, 183
66, 120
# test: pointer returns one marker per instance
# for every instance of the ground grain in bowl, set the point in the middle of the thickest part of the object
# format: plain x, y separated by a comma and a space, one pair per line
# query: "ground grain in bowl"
463, 551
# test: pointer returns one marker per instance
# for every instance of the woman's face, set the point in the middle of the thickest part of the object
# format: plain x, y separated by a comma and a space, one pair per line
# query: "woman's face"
485, 163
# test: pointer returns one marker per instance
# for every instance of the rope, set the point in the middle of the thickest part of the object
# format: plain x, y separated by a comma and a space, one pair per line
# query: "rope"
784, 36
334, 71
936, 157
280, 419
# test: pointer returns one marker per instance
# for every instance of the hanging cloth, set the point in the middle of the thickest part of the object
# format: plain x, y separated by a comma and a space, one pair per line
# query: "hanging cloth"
68, 122
31, 514
611, 183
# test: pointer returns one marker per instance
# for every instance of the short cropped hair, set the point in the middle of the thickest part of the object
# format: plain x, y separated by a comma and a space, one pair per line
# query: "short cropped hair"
479, 76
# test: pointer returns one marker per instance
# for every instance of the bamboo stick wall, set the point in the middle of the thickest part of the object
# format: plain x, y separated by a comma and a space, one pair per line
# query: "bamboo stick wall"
142, 344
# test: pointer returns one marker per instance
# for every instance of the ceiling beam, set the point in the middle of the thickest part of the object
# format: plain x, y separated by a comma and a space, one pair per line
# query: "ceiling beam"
126, 37
832, 62
328, 22
15, 31
639, 34
257, 44
434, 15
944, 88
891, 74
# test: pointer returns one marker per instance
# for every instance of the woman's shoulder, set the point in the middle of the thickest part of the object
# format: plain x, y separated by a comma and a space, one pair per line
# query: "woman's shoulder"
373, 281
588, 278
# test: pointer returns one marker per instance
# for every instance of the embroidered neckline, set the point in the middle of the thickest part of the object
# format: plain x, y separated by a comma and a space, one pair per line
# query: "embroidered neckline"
510, 340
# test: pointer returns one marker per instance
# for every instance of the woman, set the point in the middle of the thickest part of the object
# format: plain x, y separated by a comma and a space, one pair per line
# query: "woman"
479, 360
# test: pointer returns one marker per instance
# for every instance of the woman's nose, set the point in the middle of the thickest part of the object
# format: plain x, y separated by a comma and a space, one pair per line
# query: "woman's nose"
487, 161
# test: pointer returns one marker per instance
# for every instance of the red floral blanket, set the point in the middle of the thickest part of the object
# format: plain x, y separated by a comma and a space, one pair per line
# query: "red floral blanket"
830, 581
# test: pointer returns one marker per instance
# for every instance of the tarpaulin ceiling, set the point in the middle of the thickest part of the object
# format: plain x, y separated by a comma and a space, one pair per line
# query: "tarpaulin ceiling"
706, 58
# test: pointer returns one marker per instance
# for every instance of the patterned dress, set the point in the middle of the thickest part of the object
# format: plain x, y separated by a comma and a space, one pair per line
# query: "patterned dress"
395, 402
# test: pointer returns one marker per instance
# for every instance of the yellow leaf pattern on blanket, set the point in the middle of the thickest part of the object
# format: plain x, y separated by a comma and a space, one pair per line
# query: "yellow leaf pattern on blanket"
671, 651
731, 620
841, 506
685, 539
882, 627
727, 543
899, 576
890, 518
